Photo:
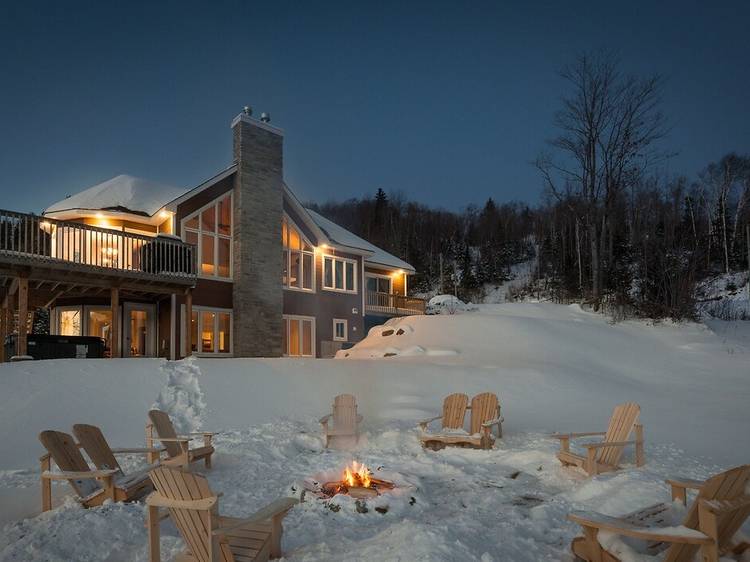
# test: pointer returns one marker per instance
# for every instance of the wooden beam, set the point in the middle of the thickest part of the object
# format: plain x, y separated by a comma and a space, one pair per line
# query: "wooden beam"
115, 331
23, 313
56, 296
188, 322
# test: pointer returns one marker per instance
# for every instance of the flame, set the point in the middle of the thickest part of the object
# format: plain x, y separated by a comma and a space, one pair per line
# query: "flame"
357, 476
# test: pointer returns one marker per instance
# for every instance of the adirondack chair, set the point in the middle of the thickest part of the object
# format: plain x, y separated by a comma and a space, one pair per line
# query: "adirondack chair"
91, 486
177, 447
606, 455
209, 537
720, 508
485, 414
346, 420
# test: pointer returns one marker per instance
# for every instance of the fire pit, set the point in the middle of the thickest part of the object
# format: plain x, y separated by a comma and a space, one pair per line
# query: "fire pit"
357, 481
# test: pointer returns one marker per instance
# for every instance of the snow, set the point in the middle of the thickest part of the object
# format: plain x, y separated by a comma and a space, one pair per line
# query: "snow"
136, 195
340, 235
555, 368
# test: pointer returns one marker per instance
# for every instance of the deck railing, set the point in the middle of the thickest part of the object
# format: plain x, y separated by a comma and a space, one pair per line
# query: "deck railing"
40, 239
391, 304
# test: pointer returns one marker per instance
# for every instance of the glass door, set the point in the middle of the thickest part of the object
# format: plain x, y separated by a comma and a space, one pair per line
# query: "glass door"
139, 330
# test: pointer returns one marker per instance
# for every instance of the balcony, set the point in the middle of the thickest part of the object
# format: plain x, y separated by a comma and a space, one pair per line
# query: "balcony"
64, 247
389, 304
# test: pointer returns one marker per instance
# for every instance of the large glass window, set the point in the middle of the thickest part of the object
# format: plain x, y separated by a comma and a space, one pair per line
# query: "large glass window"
69, 321
210, 229
100, 325
339, 274
376, 284
298, 269
211, 331
298, 338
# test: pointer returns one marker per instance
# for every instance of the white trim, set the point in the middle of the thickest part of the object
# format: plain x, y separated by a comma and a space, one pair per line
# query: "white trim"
297, 317
198, 309
304, 214
150, 310
345, 322
174, 203
380, 276
345, 261
215, 235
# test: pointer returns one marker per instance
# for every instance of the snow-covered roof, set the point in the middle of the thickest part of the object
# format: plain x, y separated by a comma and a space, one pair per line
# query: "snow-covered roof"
122, 193
342, 236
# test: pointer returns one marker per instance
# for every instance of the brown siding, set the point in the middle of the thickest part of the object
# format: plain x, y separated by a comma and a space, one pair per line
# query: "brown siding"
327, 305
300, 224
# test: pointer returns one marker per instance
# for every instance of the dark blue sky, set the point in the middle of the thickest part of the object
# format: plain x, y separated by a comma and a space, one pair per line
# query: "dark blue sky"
447, 102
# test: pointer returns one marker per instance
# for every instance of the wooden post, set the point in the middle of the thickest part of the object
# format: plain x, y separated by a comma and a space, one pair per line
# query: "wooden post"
679, 494
115, 331
3, 333
276, 531
592, 541
708, 524
591, 465
151, 457
639, 458
23, 313
188, 323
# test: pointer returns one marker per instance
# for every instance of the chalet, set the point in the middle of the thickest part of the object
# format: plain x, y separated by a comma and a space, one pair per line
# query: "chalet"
235, 266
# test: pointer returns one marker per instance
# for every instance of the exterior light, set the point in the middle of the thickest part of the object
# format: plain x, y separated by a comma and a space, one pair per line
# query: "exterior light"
99, 215
164, 215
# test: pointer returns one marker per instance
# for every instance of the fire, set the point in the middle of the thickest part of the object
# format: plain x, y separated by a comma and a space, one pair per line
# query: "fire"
358, 476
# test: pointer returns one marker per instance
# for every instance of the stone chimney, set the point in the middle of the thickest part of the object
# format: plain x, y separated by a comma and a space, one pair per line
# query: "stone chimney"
257, 260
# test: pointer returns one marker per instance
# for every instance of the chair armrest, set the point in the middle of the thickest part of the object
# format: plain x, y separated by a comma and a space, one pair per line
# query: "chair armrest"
279, 507
607, 444
490, 423
78, 475
126, 450
360, 417
201, 433
423, 423
686, 483
574, 435
722, 507
173, 439
601, 522
157, 500
324, 419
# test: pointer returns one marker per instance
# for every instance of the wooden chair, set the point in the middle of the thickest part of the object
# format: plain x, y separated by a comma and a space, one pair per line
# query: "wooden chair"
485, 414
177, 447
604, 456
209, 537
720, 508
346, 420
93, 487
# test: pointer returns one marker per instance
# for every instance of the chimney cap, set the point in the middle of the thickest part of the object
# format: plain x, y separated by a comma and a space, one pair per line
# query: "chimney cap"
265, 117
247, 110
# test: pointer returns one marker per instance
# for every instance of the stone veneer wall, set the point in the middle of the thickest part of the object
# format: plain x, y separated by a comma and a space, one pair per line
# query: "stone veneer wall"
257, 260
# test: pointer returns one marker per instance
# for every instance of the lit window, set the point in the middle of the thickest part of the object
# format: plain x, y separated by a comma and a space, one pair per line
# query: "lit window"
210, 331
69, 321
210, 230
298, 259
339, 274
340, 330
298, 337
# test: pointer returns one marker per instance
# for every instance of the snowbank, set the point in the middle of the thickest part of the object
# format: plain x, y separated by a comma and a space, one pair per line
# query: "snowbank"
553, 367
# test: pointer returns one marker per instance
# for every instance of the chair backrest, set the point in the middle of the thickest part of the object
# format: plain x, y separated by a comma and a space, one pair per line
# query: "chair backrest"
483, 409
193, 525
93, 442
454, 410
624, 417
64, 451
345, 413
728, 485
164, 429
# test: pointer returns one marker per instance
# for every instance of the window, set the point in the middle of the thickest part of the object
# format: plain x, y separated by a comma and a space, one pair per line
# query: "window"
298, 259
69, 321
298, 337
378, 284
210, 331
210, 230
99, 322
339, 274
340, 330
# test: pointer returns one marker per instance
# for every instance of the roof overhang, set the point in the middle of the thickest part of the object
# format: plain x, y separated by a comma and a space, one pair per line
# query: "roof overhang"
174, 203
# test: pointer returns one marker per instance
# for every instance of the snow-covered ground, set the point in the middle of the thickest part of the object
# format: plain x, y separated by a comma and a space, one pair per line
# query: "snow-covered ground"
555, 368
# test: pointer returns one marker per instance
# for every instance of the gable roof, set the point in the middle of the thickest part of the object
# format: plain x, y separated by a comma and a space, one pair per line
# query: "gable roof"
123, 193
340, 235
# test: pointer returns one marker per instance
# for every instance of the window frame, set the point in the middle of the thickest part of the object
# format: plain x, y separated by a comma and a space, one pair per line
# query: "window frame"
334, 259
379, 276
287, 251
286, 318
200, 233
345, 322
184, 337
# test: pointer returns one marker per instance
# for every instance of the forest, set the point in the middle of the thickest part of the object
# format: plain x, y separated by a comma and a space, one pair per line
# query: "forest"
611, 230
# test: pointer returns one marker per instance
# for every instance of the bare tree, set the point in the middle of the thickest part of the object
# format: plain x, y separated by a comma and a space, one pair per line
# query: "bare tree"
609, 127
